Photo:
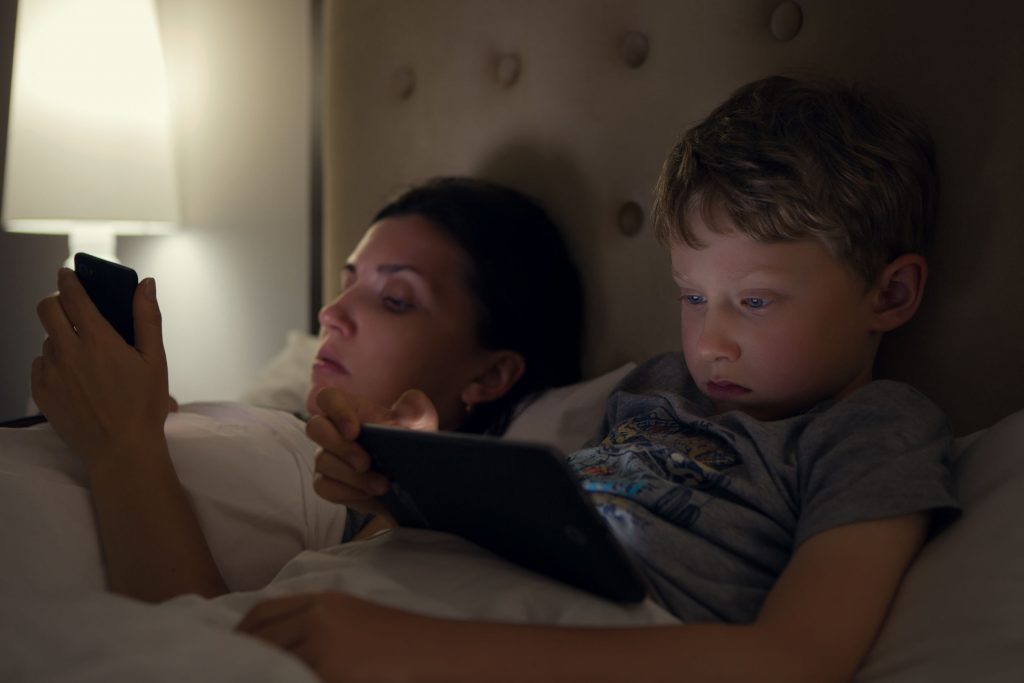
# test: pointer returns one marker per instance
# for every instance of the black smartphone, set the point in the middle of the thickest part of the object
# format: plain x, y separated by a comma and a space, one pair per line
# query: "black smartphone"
519, 500
111, 287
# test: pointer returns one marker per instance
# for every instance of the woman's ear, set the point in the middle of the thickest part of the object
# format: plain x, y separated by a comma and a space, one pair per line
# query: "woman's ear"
898, 292
503, 370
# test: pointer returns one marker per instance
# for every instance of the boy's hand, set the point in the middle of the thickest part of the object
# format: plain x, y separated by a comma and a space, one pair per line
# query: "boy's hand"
340, 637
342, 466
102, 396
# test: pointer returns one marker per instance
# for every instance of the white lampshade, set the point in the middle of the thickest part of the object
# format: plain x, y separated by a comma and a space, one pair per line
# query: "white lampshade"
89, 147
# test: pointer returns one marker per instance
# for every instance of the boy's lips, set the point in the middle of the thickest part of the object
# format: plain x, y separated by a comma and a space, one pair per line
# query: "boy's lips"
721, 389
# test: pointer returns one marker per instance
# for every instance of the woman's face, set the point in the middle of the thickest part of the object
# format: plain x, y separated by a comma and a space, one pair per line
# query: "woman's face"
405, 319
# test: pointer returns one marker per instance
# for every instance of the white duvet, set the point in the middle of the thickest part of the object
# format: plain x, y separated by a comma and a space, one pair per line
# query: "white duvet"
249, 473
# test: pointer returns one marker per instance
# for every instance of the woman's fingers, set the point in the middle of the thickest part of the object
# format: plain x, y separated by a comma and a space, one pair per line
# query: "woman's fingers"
340, 493
342, 464
348, 411
341, 408
414, 410
336, 468
343, 482
148, 321
343, 467
77, 305
54, 320
325, 433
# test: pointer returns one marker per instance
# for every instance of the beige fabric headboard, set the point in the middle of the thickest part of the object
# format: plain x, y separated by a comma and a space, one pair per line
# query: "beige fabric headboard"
577, 102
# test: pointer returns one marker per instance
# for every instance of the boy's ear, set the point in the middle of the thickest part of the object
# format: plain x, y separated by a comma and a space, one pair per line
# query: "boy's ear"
503, 370
898, 292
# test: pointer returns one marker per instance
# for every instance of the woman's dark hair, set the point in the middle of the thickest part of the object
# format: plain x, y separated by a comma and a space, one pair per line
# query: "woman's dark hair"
527, 288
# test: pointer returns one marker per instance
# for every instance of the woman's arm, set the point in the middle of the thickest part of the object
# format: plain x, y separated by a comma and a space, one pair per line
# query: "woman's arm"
109, 401
817, 624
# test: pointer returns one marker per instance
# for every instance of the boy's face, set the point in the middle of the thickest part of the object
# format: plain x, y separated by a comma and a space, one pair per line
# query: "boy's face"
771, 329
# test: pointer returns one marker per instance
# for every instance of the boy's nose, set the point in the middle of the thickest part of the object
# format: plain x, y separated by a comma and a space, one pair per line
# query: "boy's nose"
716, 343
337, 316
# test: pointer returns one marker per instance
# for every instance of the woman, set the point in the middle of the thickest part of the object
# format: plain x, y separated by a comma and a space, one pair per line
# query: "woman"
502, 306
460, 288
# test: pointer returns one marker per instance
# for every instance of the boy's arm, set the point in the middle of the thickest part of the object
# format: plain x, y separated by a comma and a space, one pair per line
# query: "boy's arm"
817, 624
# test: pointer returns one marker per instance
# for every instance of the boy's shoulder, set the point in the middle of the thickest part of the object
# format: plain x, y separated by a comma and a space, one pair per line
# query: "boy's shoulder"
893, 410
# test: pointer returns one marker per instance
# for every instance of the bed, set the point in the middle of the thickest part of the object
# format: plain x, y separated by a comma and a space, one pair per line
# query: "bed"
575, 102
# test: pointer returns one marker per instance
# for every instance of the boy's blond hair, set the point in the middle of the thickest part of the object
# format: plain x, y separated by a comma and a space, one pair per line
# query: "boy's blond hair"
795, 158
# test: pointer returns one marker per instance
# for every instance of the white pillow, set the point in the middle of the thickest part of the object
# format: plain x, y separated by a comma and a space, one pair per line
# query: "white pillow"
959, 615
285, 380
566, 417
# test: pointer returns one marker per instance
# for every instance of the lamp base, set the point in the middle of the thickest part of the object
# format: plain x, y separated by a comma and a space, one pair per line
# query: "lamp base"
98, 241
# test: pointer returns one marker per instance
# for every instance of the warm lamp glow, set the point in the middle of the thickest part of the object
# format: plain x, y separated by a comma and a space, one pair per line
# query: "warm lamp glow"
89, 142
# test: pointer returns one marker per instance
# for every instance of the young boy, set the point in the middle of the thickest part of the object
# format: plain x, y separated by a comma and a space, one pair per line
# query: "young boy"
771, 490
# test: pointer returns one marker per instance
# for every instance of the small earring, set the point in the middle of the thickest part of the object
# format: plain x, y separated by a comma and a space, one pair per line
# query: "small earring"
469, 408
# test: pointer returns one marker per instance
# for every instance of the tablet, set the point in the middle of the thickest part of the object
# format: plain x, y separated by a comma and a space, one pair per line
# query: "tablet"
519, 500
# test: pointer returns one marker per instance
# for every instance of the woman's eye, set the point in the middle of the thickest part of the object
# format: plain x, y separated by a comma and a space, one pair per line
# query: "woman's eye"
396, 305
692, 299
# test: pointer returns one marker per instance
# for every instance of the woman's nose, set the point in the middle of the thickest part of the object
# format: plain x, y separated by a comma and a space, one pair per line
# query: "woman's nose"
337, 316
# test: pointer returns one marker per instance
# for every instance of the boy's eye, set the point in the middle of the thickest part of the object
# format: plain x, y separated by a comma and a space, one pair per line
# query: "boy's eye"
755, 302
692, 299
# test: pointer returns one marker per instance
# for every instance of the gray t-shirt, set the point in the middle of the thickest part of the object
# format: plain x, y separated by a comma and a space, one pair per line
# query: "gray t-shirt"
713, 506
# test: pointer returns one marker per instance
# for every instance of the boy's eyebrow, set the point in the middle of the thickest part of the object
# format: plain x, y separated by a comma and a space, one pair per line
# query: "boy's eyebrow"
741, 275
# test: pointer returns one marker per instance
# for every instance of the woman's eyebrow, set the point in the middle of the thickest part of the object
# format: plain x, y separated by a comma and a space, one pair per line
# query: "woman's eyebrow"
392, 268
386, 269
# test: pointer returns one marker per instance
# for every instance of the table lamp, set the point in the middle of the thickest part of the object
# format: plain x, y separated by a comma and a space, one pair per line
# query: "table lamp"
89, 147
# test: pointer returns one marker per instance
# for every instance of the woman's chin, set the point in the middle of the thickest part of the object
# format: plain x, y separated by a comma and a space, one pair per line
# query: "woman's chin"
311, 407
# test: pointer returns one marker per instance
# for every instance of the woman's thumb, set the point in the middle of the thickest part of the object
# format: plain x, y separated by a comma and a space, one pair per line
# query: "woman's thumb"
414, 410
148, 321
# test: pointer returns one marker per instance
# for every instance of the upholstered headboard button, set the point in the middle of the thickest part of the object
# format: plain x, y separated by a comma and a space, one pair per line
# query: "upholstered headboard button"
787, 19
634, 49
507, 70
631, 218
403, 83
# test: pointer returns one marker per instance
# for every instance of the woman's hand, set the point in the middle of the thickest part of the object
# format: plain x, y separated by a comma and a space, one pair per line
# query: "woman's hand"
103, 397
342, 466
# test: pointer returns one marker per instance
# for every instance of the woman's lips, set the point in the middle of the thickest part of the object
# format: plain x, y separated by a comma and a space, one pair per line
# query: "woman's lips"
725, 390
324, 363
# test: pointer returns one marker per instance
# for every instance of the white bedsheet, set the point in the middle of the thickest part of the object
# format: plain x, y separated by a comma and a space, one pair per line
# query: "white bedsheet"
248, 471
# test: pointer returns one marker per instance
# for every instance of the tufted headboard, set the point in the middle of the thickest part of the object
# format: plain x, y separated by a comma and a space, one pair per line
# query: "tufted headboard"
577, 102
